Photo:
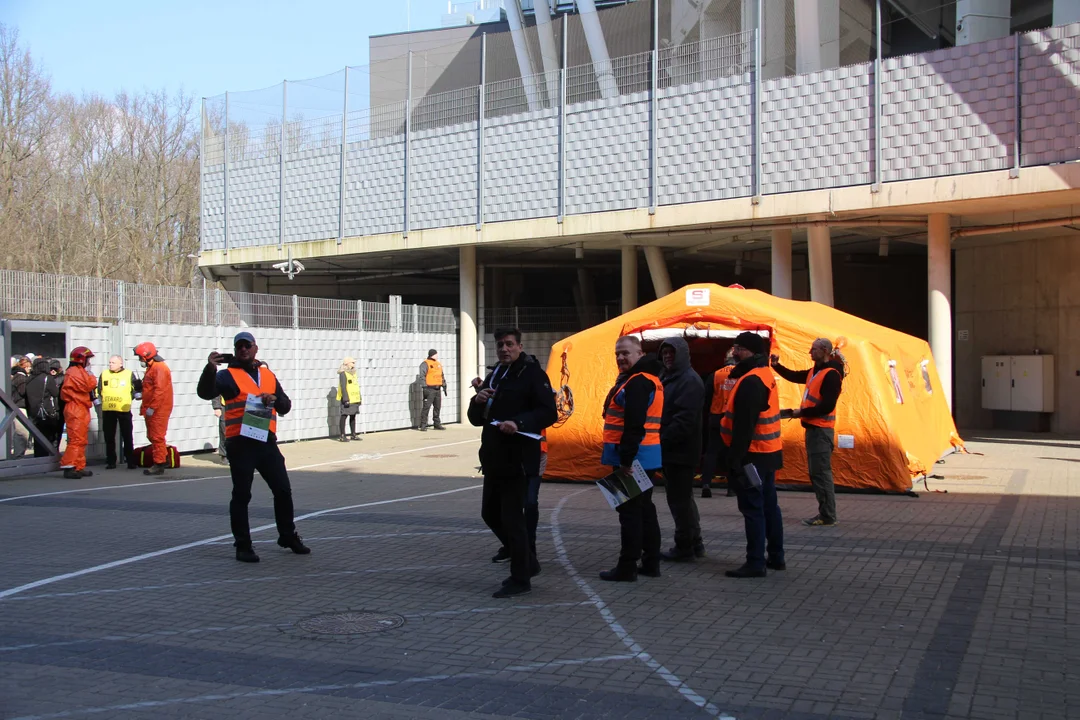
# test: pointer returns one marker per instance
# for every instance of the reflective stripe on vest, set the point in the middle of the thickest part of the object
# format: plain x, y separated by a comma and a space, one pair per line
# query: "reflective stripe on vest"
351, 387
234, 408
722, 386
812, 397
766, 437
116, 391
614, 415
434, 376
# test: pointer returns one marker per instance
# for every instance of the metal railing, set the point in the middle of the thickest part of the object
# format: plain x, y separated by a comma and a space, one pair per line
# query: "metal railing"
66, 298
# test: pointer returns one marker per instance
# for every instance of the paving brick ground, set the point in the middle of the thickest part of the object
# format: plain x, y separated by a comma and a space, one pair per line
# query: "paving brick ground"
952, 604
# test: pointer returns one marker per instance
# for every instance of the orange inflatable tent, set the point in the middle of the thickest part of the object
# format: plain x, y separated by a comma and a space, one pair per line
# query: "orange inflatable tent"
892, 420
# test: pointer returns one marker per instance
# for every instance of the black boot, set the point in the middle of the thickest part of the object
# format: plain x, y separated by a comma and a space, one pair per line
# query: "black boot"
623, 572
246, 554
678, 554
295, 544
706, 492
355, 437
72, 474
699, 549
343, 439
649, 568
745, 572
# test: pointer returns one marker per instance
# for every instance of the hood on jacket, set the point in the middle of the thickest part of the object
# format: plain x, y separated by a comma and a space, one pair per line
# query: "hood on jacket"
40, 367
682, 356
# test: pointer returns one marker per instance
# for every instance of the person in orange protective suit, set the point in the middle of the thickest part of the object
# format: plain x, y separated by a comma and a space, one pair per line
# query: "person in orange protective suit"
77, 395
157, 403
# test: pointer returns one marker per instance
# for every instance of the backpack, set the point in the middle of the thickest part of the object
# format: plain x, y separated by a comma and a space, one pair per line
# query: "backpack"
49, 410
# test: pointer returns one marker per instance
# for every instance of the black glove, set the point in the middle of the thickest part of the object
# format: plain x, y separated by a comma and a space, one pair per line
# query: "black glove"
344, 403
444, 390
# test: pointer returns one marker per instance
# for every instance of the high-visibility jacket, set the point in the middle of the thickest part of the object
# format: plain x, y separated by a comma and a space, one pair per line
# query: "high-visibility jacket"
116, 391
234, 408
434, 376
812, 397
614, 421
352, 389
766, 437
722, 386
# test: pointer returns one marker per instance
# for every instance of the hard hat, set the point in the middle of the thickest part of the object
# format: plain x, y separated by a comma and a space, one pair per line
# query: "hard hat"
80, 355
146, 351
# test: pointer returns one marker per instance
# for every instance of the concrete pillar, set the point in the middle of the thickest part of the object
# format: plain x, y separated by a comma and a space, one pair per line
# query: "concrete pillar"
587, 296
1066, 11
781, 263
598, 50
247, 281
978, 20
658, 270
817, 35
467, 344
629, 278
774, 40
939, 276
549, 50
819, 250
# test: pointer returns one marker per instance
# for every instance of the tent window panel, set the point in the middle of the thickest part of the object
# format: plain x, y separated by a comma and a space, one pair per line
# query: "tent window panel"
925, 367
896, 382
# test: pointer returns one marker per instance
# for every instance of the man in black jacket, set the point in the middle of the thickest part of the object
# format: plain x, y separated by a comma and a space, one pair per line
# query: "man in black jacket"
246, 452
680, 444
43, 404
824, 383
751, 430
20, 375
515, 398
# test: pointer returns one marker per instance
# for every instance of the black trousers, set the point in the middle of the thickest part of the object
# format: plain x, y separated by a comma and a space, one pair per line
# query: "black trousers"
48, 429
341, 424
111, 419
640, 530
503, 510
679, 483
714, 452
432, 401
245, 457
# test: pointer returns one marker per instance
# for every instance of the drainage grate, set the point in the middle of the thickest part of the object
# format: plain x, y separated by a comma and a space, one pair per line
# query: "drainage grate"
349, 622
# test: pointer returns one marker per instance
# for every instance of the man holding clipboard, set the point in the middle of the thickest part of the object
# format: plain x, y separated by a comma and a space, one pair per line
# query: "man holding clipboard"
750, 429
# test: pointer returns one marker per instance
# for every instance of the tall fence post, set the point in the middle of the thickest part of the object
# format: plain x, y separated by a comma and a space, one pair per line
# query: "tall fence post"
480, 134
562, 126
298, 406
120, 302
408, 140
361, 361
202, 154
205, 310
217, 307
1015, 171
878, 67
226, 171
654, 69
344, 158
758, 37
281, 164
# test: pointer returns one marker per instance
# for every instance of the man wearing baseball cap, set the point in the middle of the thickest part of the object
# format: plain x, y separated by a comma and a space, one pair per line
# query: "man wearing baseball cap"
253, 400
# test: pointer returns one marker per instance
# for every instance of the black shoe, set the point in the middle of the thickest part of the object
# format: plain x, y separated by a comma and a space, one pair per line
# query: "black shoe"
706, 492
343, 439
423, 428
154, 470
512, 589
745, 572
295, 544
649, 568
502, 556
773, 565
246, 555
678, 554
86, 473
699, 549
110, 466
72, 474
132, 466
354, 437
439, 427
620, 573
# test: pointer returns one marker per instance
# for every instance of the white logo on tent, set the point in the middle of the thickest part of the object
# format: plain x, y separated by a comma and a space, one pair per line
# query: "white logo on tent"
697, 297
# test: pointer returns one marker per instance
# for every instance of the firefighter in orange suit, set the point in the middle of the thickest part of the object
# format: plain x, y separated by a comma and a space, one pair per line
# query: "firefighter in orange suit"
157, 404
434, 383
77, 395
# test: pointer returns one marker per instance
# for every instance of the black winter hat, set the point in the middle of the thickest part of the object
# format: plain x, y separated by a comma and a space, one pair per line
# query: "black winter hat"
751, 341
432, 352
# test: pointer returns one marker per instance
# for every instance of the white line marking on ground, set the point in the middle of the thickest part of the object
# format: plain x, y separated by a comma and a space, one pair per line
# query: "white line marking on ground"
616, 627
225, 477
177, 548
530, 667
374, 536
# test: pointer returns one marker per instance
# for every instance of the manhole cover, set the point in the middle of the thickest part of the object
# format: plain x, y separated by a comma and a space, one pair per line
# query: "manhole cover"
349, 622
440, 456
966, 477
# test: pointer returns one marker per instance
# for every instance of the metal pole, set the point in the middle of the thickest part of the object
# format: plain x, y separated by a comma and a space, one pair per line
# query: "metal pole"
878, 67
344, 157
202, 153
408, 133
757, 106
480, 134
226, 172
281, 164
654, 70
562, 127
1015, 172
205, 309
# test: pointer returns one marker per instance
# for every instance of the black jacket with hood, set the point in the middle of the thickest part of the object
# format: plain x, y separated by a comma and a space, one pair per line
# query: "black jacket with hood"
635, 407
41, 383
684, 397
751, 399
831, 386
19, 378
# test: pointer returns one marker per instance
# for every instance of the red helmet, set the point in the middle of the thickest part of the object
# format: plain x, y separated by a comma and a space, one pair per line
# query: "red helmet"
80, 355
146, 351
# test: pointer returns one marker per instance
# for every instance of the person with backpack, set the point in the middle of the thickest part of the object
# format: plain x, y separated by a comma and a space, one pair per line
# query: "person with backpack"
43, 404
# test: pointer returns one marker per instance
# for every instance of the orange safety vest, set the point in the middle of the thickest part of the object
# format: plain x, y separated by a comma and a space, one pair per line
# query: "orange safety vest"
766, 437
234, 408
649, 449
722, 387
434, 373
812, 397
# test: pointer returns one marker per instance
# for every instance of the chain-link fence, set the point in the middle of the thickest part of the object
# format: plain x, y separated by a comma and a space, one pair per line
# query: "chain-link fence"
40, 296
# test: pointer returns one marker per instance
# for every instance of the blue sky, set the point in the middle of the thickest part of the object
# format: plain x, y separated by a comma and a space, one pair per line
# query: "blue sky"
203, 46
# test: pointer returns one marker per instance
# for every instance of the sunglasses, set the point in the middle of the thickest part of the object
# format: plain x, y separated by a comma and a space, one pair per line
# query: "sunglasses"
243, 345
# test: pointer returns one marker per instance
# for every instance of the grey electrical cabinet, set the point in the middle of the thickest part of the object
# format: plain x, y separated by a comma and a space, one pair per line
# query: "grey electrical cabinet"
1023, 383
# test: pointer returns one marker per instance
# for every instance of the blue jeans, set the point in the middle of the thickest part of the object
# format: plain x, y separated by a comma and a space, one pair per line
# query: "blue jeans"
764, 524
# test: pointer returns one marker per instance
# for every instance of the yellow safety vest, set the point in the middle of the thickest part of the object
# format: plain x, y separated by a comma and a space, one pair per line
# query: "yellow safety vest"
351, 387
116, 391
